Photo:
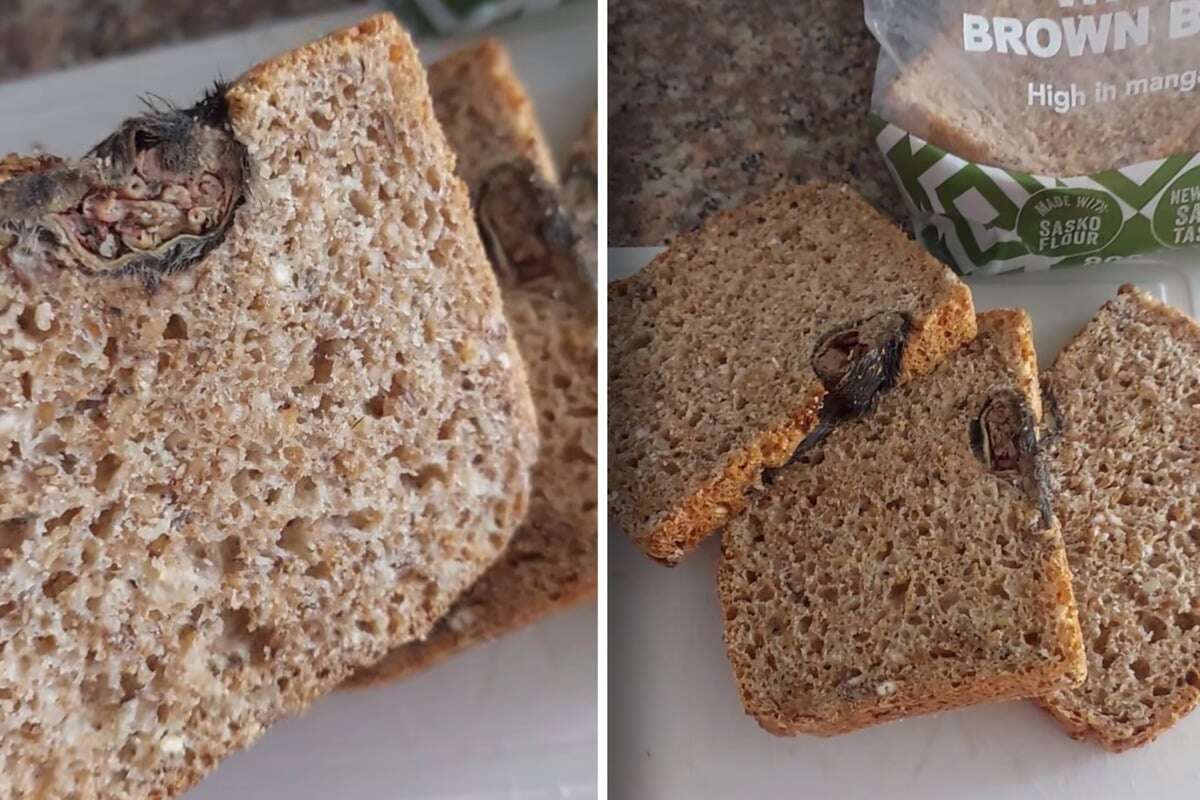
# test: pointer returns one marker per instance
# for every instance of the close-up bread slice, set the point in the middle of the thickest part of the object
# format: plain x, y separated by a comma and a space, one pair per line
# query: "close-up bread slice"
551, 562
909, 563
976, 105
1126, 466
713, 369
261, 415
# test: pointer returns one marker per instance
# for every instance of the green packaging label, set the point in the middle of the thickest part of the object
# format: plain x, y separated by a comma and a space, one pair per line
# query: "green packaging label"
1177, 218
986, 220
1068, 222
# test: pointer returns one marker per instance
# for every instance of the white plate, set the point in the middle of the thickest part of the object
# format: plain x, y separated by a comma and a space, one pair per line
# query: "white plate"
511, 719
677, 729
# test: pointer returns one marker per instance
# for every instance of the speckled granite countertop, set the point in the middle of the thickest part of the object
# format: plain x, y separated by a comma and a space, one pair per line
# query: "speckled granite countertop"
38, 35
712, 102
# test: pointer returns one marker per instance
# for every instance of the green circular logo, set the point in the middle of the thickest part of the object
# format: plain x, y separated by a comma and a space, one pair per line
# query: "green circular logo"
1069, 222
1177, 218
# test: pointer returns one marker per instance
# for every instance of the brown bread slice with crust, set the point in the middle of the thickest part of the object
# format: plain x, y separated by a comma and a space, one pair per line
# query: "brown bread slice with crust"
892, 572
551, 561
220, 497
711, 350
1125, 461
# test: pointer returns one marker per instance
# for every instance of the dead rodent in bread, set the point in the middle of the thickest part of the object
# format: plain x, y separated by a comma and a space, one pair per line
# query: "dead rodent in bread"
524, 218
527, 231
148, 201
220, 497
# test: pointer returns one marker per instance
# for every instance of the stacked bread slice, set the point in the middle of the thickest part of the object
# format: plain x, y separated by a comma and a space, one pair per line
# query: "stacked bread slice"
898, 555
735, 346
548, 297
262, 416
909, 563
919, 546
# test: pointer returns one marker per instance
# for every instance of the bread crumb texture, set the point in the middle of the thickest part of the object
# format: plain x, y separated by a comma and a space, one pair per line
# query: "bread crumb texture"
218, 499
551, 561
891, 573
710, 350
1126, 465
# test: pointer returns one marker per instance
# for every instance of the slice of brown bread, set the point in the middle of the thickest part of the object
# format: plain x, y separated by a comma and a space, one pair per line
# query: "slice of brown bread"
551, 562
712, 372
891, 572
1125, 461
976, 105
221, 496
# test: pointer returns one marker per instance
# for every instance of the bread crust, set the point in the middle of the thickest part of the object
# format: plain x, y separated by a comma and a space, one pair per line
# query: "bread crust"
708, 503
1087, 727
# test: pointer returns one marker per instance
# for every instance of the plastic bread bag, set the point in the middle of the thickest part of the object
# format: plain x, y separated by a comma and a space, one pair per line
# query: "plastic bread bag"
1030, 134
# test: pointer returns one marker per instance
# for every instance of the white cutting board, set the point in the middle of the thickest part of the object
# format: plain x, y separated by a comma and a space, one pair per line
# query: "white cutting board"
512, 719
677, 729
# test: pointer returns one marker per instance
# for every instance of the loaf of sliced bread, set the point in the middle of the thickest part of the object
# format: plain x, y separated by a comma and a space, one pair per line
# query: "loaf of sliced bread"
551, 562
908, 563
261, 417
1125, 460
768, 325
999, 108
